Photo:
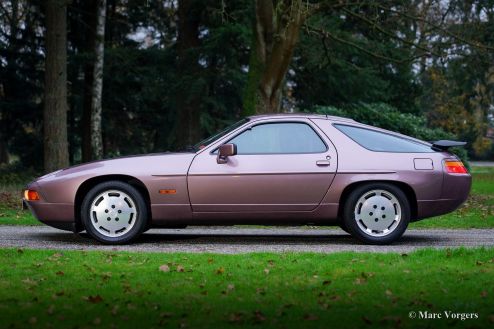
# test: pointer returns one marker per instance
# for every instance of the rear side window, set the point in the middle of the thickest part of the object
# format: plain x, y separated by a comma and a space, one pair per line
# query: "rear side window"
279, 138
382, 142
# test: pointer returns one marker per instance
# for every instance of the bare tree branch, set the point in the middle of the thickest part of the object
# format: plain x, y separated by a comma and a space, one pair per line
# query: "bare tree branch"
368, 52
437, 27
375, 25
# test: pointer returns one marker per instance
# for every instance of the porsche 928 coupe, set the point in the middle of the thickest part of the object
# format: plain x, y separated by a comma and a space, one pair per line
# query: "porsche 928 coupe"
292, 169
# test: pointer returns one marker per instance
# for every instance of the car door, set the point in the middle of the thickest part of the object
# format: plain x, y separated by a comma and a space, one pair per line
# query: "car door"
281, 165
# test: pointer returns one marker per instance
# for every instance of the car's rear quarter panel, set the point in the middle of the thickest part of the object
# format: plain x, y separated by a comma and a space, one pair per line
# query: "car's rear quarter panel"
357, 164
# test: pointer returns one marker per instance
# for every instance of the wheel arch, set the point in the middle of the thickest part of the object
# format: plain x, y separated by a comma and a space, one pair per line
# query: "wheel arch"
407, 189
88, 184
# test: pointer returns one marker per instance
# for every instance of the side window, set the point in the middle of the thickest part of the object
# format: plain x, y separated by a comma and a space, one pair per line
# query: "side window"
279, 138
382, 142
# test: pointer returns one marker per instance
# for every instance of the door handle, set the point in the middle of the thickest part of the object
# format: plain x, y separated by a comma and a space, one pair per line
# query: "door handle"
323, 163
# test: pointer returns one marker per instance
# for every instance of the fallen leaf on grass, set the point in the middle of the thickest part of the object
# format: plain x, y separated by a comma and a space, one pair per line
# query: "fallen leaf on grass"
395, 319
221, 270
114, 310
166, 315
60, 273
29, 282
50, 310
237, 317
94, 299
366, 320
106, 276
311, 317
55, 256
164, 268
259, 316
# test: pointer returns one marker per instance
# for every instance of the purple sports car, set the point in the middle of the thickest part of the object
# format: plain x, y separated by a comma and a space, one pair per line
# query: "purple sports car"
292, 169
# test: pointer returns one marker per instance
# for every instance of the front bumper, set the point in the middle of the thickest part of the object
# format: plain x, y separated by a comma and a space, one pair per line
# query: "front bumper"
58, 215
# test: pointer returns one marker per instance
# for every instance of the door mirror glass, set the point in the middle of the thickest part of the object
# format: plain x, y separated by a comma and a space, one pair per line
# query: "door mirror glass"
224, 151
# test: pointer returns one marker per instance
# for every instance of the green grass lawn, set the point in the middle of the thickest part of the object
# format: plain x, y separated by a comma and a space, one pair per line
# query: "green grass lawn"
477, 212
69, 289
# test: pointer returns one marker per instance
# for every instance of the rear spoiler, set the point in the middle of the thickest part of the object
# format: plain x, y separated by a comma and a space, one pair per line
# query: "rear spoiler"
444, 145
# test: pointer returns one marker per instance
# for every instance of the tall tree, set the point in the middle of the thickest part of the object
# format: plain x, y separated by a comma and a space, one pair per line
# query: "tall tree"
276, 32
94, 14
55, 107
97, 88
190, 88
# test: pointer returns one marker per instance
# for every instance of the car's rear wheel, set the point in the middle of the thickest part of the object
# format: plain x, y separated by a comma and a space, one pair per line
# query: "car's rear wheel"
377, 213
114, 212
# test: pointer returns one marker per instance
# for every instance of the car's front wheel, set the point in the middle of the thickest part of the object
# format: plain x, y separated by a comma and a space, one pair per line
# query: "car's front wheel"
377, 213
114, 212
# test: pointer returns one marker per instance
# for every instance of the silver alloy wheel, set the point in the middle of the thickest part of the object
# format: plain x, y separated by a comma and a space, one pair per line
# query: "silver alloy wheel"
113, 213
377, 213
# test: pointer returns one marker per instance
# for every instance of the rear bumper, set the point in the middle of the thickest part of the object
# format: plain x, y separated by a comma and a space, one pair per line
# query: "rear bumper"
431, 208
455, 191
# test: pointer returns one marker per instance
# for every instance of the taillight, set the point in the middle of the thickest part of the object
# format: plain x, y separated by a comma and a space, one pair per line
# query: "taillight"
31, 195
455, 167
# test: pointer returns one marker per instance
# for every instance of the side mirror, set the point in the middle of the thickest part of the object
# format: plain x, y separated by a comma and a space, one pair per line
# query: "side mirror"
225, 151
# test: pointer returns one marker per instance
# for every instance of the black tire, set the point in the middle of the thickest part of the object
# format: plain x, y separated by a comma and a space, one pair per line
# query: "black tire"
140, 220
343, 226
355, 229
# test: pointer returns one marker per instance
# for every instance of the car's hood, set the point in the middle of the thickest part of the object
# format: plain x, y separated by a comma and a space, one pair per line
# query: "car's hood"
138, 165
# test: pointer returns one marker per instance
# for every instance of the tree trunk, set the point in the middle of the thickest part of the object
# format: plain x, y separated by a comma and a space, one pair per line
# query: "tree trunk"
188, 127
276, 31
96, 106
89, 15
95, 18
56, 154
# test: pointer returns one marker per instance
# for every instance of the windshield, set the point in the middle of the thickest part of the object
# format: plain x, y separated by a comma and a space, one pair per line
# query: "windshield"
202, 144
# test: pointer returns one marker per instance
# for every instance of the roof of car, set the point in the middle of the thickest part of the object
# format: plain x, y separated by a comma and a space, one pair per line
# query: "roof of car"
302, 115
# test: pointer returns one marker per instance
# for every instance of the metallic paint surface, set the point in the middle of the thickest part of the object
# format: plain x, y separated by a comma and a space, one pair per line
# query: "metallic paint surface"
257, 189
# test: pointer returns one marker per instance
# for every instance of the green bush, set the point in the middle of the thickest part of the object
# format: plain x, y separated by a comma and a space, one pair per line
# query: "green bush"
387, 117
15, 175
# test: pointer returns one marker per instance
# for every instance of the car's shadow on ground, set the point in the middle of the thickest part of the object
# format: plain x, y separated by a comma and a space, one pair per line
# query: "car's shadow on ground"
234, 239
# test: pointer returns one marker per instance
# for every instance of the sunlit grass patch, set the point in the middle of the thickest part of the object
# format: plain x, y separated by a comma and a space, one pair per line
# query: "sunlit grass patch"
288, 290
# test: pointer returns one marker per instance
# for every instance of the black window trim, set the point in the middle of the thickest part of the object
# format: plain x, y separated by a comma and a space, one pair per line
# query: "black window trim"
335, 125
254, 124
